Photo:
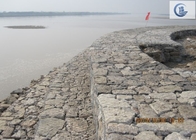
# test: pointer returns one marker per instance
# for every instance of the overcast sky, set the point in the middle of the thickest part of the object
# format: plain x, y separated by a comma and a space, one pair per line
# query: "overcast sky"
128, 6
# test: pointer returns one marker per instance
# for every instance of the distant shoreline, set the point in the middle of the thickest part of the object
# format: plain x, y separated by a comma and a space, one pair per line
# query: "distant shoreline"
35, 14
161, 17
25, 27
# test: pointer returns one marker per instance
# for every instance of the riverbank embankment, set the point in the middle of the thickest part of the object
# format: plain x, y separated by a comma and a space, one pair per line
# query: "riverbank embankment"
118, 88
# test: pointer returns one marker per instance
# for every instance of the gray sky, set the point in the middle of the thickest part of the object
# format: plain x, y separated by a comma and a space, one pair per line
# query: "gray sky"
128, 6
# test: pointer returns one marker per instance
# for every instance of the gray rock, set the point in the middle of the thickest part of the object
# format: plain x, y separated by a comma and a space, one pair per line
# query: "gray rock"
187, 125
139, 98
186, 133
189, 87
120, 60
103, 89
7, 118
54, 113
118, 115
167, 72
15, 121
193, 137
8, 132
128, 72
115, 79
6, 114
161, 107
101, 80
176, 136
29, 123
119, 137
120, 66
100, 71
168, 89
148, 101
49, 127
109, 101
146, 135
163, 96
11, 99
62, 136
176, 78
143, 90
187, 111
19, 112
72, 112
40, 87
183, 100
18, 92
186, 74
100, 60
174, 103
192, 102
55, 102
151, 79
162, 128
2, 124
168, 115
45, 83
19, 134
29, 102
131, 82
48, 107
76, 125
123, 92
85, 113
188, 94
146, 111
50, 96
165, 83
124, 97
3, 107
122, 128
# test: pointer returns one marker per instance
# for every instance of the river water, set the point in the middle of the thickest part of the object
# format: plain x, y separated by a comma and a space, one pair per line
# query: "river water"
25, 54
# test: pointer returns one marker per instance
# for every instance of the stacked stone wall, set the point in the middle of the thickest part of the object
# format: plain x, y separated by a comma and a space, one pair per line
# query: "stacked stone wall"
131, 86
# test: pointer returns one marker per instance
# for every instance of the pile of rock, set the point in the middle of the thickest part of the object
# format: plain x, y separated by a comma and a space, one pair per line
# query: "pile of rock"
136, 97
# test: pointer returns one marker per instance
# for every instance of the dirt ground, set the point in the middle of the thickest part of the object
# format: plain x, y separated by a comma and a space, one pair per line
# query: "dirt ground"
189, 61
